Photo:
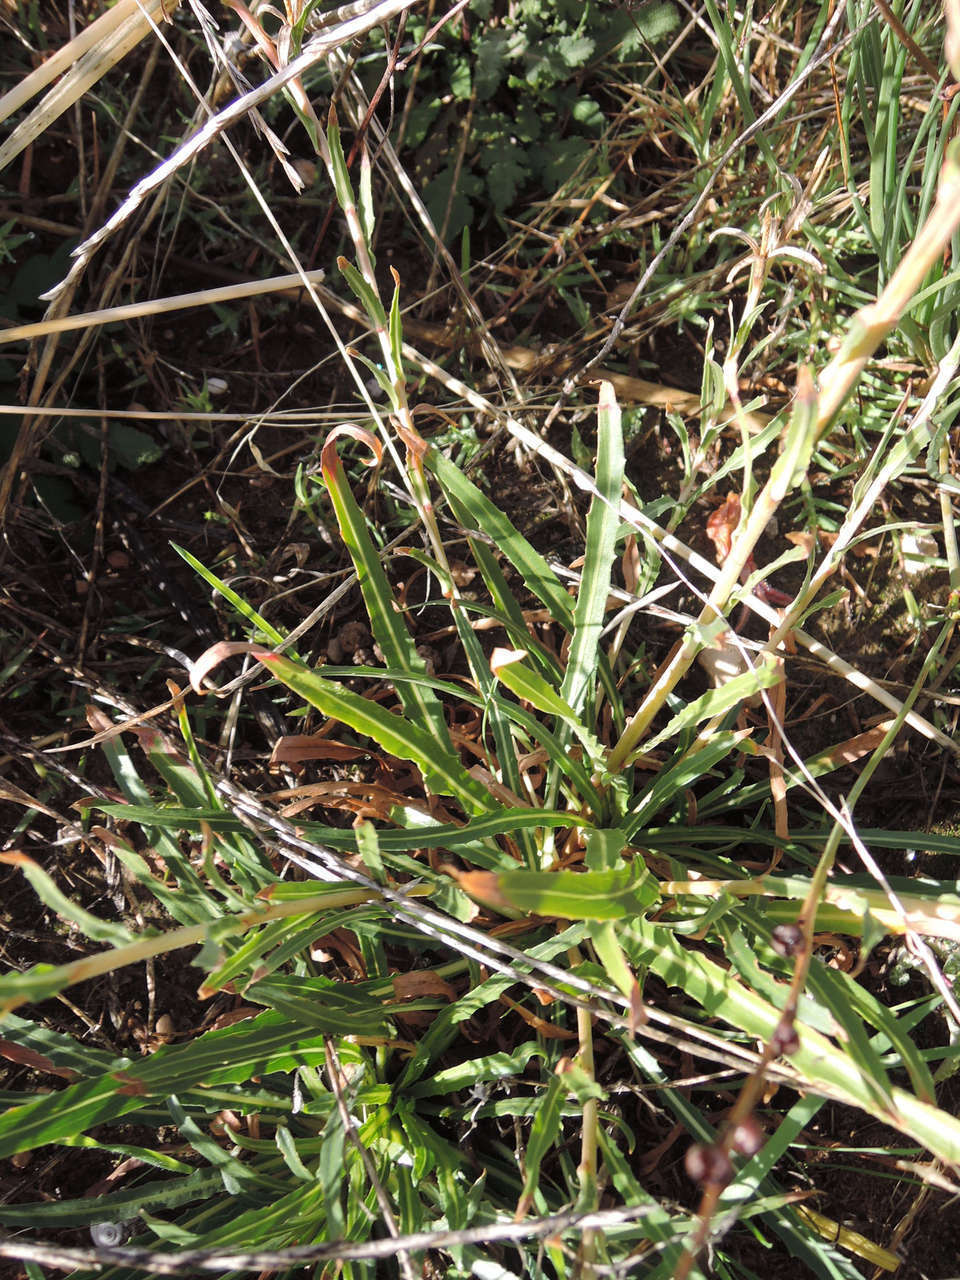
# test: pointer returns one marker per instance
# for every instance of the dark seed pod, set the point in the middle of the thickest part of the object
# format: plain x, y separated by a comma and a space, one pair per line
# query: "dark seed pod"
107, 1235
747, 1137
708, 1165
785, 1039
787, 940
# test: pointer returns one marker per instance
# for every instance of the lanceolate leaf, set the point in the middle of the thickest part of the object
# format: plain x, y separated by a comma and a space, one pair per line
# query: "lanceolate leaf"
270, 1042
603, 523
476, 511
572, 895
431, 753
419, 702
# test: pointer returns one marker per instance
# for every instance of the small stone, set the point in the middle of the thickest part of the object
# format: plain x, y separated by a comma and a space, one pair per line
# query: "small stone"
165, 1028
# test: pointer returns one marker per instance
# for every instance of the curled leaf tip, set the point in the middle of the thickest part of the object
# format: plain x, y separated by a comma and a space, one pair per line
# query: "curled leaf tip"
213, 656
328, 454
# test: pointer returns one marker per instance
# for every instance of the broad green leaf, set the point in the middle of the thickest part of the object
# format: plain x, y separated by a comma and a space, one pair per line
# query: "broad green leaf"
52, 1051
604, 848
572, 895
291, 1156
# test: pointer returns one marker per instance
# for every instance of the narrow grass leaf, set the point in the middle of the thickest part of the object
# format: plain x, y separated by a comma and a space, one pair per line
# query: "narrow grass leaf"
476, 511
116, 1207
717, 702
50, 895
543, 1134
259, 1046
419, 702
431, 753
603, 526
245, 610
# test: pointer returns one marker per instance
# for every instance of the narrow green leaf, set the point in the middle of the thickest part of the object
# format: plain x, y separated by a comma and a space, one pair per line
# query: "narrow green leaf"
822, 1063
399, 651
365, 293
611, 955
270, 1042
50, 895
509, 667
495, 1066
476, 511
572, 895
321, 1004
116, 1207
543, 1134
339, 173
291, 1157
603, 525
717, 702
396, 327
245, 610
441, 769
365, 202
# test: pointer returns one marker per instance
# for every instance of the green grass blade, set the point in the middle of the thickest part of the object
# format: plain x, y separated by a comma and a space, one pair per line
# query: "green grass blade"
475, 510
433, 755
386, 622
245, 610
603, 525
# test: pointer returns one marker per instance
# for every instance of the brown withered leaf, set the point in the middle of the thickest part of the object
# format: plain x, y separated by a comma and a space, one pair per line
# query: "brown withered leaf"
421, 982
802, 538
722, 524
296, 747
